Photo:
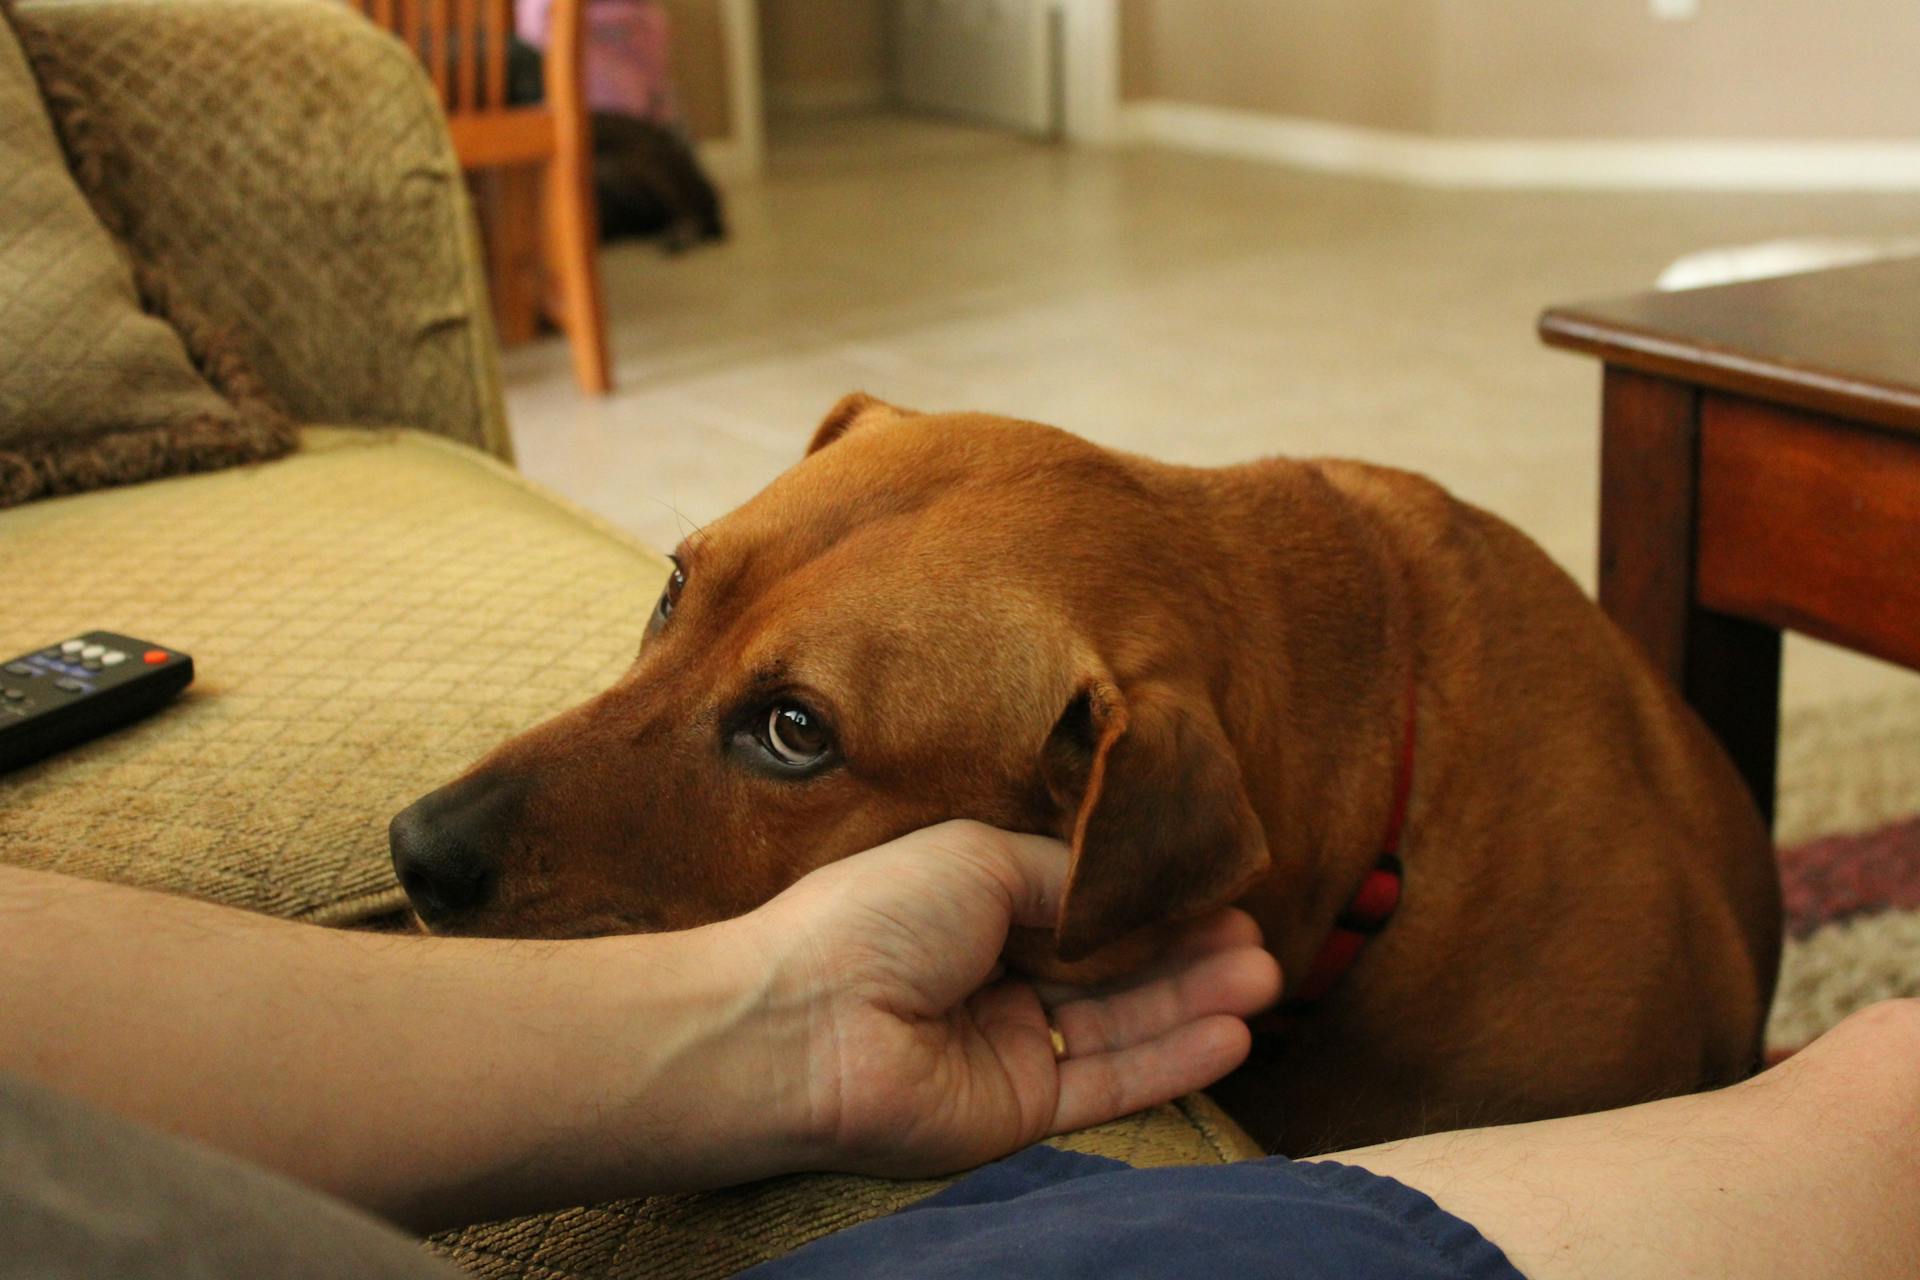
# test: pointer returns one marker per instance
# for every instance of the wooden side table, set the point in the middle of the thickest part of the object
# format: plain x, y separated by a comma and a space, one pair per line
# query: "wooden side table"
1759, 470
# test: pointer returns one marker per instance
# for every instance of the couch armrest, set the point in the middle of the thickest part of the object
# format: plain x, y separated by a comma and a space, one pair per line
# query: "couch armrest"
288, 165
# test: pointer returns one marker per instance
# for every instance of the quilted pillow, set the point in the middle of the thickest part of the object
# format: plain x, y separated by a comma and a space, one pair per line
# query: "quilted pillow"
94, 390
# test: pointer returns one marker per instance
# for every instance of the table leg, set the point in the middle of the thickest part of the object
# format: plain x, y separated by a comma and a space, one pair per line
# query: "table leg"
1727, 668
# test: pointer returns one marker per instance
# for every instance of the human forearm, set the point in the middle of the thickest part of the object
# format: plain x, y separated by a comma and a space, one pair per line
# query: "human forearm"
1811, 1168
429, 1079
859, 1022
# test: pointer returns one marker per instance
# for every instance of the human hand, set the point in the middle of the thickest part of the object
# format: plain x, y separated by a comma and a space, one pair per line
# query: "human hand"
923, 1056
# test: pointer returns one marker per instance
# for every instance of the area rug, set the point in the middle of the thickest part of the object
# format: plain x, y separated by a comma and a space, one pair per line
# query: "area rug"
1853, 928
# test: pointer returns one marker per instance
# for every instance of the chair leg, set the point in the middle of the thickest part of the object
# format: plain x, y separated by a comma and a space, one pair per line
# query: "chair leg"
508, 201
573, 240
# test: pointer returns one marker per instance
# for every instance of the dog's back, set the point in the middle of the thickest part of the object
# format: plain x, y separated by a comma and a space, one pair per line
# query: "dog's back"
1591, 912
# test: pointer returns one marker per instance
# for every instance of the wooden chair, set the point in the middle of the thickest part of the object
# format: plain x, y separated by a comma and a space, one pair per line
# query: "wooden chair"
463, 44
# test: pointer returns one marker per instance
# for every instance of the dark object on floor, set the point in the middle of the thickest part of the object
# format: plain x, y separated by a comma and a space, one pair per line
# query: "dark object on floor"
646, 179
648, 183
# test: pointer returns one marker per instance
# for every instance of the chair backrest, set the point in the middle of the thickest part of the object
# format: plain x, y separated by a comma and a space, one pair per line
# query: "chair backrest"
464, 45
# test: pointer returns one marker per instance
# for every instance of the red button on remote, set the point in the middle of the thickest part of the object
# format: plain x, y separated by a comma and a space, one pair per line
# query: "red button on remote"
154, 657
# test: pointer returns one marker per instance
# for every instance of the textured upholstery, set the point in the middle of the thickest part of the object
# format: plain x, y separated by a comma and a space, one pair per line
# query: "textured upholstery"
716, 1233
367, 617
92, 389
288, 166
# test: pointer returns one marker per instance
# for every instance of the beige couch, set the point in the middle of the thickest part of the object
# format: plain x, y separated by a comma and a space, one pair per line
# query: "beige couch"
371, 613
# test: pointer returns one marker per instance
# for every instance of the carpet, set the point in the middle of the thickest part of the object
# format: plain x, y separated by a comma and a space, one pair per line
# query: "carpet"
1853, 928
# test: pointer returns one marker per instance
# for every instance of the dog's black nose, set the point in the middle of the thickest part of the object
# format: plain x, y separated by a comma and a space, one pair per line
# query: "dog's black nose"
446, 846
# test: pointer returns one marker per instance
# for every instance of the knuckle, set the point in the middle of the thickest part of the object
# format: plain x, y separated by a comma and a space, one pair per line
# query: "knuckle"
976, 841
971, 834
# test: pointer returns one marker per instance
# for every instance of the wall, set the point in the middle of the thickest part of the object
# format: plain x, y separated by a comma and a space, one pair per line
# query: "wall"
1785, 69
813, 53
700, 66
1776, 69
1361, 61
1788, 69
823, 53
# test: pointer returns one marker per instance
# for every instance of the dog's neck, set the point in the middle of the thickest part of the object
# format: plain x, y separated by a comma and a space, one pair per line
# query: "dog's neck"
1315, 673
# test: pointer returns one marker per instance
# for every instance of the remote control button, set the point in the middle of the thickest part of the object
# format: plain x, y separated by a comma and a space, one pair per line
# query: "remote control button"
73, 646
93, 650
113, 657
154, 657
92, 664
50, 653
20, 669
69, 686
13, 695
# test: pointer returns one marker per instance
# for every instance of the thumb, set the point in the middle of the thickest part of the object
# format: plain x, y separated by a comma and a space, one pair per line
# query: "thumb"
1032, 870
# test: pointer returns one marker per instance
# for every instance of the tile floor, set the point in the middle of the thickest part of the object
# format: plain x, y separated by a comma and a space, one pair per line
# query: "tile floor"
1199, 309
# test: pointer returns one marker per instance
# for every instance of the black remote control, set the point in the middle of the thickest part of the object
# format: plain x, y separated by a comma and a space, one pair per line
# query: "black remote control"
77, 689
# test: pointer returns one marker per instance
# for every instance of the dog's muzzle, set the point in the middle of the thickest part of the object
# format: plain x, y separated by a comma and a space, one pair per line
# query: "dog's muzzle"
447, 846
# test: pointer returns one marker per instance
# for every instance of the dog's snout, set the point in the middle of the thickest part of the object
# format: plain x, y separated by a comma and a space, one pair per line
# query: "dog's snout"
443, 873
447, 846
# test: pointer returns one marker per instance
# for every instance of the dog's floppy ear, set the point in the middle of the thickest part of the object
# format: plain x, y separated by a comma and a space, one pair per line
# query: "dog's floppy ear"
856, 410
1155, 810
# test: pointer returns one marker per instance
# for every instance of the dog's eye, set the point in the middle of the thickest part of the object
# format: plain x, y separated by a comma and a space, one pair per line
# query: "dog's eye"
796, 736
671, 596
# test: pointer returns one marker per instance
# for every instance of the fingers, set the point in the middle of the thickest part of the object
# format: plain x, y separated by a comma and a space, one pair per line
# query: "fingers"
1223, 930
1228, 927
1096, 1089
1014, 1028
1237, 983
1095, 1084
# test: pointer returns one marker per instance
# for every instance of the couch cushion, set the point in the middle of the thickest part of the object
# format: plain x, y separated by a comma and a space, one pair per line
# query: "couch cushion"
367, 617
93, 390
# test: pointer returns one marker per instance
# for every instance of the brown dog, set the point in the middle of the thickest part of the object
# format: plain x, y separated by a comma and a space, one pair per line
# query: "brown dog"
1202, 680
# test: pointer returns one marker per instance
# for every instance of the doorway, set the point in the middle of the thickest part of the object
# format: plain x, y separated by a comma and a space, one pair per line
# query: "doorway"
1041, 69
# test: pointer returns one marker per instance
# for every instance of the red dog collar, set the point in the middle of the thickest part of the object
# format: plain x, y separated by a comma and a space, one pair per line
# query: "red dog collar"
1373, 904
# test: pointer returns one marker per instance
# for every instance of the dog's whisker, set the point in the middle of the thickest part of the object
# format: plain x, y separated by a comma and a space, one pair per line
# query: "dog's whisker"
690, 531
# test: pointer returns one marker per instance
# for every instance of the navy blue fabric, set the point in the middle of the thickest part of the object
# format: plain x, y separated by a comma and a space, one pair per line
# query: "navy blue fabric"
1058, 1214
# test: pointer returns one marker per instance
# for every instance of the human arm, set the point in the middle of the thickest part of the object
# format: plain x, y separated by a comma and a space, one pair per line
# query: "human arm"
437, 1080
1810, 1168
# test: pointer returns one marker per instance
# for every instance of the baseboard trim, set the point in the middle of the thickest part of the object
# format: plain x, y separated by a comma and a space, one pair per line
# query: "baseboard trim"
1703, 164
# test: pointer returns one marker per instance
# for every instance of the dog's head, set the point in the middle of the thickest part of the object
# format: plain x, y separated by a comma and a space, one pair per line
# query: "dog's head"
929, 617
